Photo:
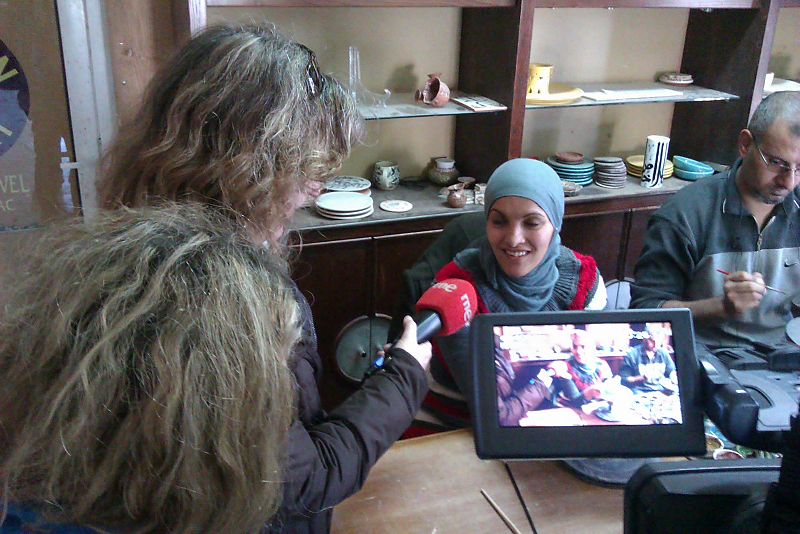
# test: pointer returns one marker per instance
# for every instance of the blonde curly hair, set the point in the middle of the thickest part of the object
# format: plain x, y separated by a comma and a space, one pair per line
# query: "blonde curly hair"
240, 118
145, 377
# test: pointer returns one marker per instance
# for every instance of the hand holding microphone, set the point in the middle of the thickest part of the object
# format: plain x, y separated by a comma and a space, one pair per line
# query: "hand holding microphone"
408, 341
444, 309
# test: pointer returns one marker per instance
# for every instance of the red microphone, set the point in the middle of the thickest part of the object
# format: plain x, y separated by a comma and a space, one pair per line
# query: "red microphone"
445, 308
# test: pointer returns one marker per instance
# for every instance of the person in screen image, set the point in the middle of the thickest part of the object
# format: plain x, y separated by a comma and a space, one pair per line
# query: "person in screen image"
146, 372
648, 367
582, 378
518, 266
243, 121
515, 401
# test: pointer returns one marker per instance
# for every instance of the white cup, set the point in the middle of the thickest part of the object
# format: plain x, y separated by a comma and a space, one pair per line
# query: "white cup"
655, 160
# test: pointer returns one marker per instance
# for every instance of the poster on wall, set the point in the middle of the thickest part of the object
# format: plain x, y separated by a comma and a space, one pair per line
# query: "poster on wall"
17, 153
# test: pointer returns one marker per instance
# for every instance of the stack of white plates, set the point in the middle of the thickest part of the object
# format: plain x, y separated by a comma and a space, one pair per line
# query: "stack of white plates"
344, 205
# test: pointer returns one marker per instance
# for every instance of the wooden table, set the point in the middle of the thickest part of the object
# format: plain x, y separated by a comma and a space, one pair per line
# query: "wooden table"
432, 485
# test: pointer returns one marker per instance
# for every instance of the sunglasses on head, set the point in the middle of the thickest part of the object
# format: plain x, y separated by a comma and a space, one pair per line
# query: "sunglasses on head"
315, 81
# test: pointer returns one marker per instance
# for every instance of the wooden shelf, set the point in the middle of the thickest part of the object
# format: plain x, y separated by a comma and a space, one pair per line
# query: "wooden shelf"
403, 106
698, 4
691, 4
690, 93
360, 3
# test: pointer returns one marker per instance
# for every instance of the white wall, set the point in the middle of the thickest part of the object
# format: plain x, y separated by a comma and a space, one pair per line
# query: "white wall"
398, 48
785, 58
603, 45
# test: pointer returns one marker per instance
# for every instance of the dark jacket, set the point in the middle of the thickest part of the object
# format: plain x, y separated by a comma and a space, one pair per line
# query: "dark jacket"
330, 454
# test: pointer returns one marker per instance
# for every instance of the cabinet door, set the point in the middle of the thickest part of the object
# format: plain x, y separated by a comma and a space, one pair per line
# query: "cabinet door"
393, 255
337, 280
639, 218
599, 235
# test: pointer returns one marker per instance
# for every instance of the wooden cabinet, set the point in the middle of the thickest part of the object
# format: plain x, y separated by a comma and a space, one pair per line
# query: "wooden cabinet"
346, 277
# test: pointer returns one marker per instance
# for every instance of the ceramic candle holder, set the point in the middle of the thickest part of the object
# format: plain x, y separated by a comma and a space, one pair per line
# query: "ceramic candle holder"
539, 79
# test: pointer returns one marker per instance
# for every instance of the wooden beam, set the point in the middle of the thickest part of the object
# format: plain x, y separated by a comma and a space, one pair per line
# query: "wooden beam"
142, 35
727, 50
493, 61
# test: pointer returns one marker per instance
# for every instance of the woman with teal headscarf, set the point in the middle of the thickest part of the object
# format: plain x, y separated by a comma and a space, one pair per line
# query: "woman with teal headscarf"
518, 266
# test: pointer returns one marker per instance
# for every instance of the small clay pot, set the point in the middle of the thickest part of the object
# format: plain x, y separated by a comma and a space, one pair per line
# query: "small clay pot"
457, 198
435, 92
442, 171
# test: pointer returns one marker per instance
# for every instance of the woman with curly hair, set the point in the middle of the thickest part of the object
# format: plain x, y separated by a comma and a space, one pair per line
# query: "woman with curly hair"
146, 383
243, 120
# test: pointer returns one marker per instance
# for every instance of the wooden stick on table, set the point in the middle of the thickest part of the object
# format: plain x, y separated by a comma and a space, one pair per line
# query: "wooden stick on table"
500, 512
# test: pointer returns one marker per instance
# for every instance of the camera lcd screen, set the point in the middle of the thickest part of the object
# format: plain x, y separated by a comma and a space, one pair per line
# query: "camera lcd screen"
582, 384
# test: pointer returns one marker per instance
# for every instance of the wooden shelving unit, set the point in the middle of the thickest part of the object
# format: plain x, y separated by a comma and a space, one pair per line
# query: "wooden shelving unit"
360, 3
727, 47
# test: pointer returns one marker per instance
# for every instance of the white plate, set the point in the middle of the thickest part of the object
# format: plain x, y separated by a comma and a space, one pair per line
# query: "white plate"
675, 82
343, 202
396, 206
343, 213
347, 184
347, 217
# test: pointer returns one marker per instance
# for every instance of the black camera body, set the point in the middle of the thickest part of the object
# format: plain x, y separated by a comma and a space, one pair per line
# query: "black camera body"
699, 496
750, 395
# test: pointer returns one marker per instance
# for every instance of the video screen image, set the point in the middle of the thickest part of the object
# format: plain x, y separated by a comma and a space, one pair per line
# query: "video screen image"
586, 375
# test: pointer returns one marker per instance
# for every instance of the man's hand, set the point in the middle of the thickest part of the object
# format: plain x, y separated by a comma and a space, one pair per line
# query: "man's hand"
560, 369
743, 291
408, 342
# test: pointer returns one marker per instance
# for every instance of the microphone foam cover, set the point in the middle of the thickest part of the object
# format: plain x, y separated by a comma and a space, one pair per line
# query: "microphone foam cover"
453, 300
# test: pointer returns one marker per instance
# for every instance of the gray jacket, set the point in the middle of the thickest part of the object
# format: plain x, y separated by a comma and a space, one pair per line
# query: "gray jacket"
705, 227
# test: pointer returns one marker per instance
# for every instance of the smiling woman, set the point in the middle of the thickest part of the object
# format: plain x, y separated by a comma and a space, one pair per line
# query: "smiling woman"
519, 266
519, 233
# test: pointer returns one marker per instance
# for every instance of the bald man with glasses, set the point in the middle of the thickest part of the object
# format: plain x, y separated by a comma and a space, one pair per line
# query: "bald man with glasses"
728, 246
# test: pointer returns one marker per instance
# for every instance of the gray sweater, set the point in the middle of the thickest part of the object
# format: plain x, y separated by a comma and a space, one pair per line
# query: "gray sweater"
705, 227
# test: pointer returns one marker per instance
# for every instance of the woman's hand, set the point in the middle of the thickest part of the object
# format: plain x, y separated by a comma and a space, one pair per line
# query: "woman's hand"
408, 342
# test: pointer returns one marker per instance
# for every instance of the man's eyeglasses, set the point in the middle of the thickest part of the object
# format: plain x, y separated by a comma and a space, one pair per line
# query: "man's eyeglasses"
315, 81
777, 165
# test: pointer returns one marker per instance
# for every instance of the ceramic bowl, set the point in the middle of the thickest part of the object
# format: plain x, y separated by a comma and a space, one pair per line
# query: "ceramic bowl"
727, 454
713, 443
569, 157
690, 176
692, 165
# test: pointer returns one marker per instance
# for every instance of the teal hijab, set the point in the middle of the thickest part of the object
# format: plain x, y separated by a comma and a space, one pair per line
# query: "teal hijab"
536, 181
